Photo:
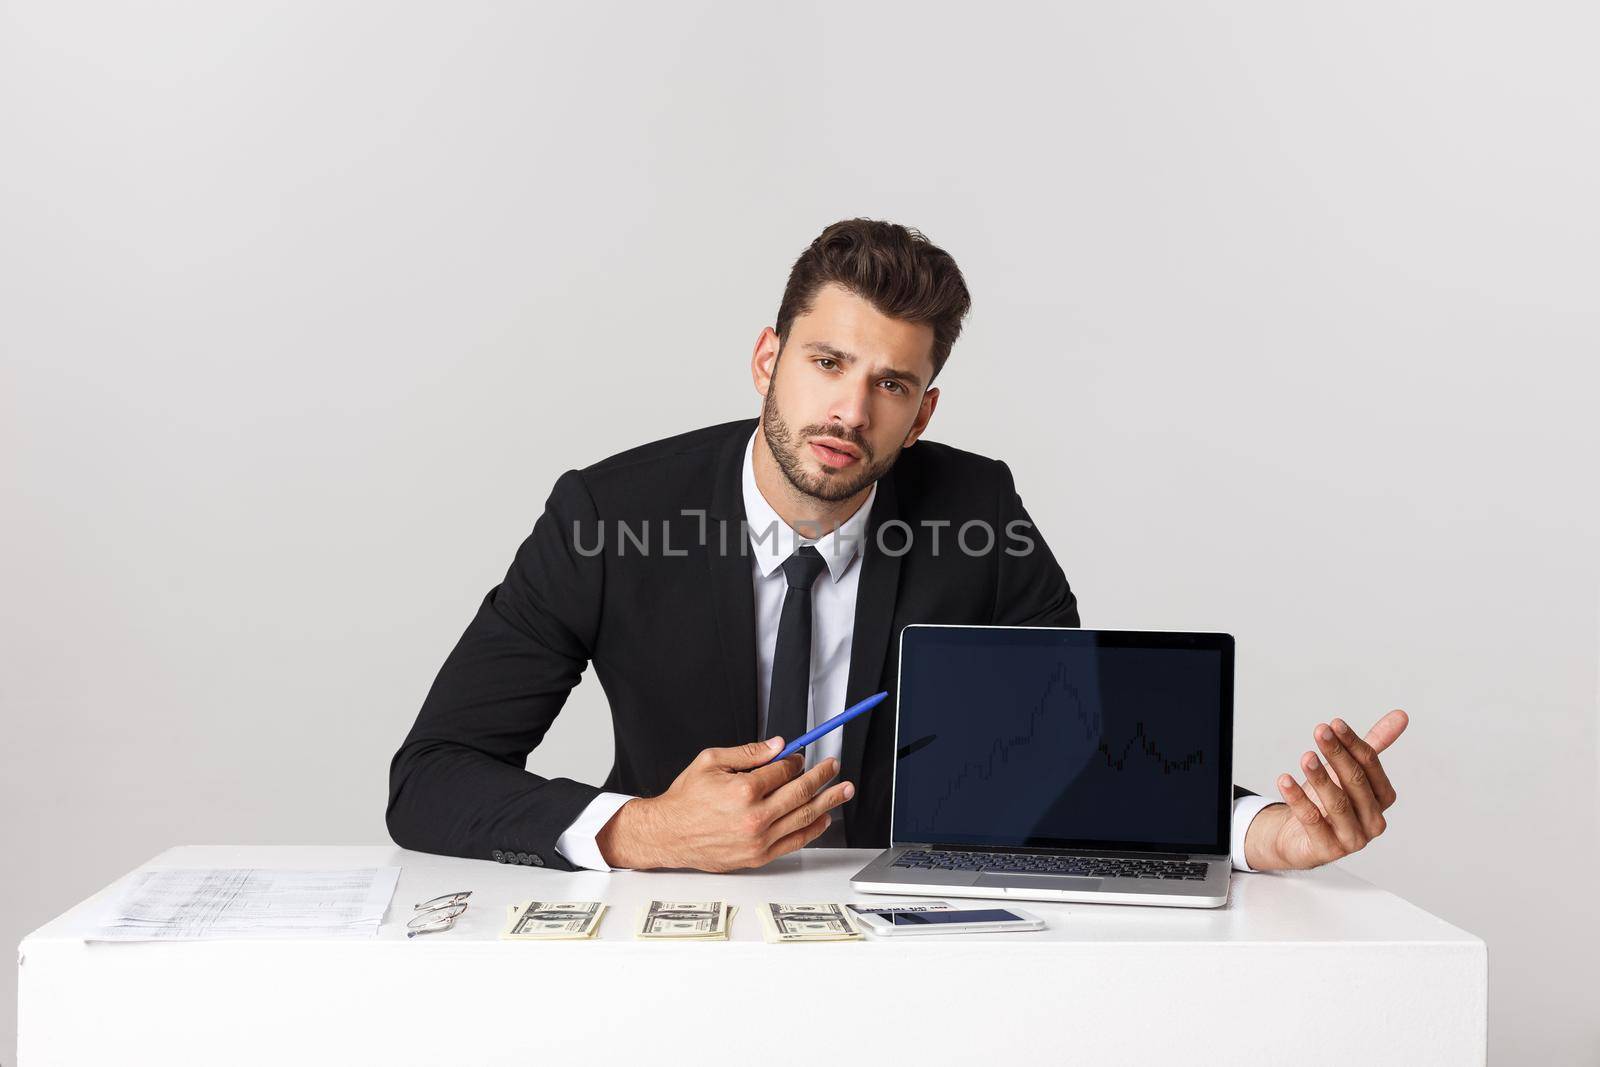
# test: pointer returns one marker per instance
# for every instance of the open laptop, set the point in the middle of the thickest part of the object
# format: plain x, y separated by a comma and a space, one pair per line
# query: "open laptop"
1046, 763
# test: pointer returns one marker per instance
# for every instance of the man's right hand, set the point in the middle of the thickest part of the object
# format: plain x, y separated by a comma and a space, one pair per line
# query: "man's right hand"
726, 811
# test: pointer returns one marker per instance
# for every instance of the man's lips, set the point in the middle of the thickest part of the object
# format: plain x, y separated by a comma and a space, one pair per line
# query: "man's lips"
833, 456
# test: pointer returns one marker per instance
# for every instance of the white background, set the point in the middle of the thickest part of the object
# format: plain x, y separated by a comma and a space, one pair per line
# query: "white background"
1284, 318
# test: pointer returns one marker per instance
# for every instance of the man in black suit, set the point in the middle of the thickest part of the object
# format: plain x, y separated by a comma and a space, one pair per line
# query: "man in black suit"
687, 571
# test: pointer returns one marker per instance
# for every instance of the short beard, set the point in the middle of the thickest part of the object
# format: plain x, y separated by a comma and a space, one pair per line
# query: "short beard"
830, 487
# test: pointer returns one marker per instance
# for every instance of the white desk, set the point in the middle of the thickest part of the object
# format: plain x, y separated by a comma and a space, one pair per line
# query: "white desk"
1332, 969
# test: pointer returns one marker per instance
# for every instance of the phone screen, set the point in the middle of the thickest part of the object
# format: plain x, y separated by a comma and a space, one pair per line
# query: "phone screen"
944, 918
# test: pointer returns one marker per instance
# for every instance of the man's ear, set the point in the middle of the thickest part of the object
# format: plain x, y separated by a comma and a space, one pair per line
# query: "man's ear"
764, 360
930, 400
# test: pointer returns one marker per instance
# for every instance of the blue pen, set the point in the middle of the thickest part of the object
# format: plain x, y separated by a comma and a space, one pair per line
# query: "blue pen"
832, 724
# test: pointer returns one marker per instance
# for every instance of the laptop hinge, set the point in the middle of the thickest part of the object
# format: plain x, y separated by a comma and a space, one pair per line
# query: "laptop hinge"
1021, 850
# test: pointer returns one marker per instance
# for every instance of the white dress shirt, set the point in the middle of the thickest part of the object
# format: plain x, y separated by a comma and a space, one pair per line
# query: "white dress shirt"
833, 610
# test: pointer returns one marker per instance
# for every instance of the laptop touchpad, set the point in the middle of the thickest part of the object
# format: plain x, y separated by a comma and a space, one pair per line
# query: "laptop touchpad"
1037, 881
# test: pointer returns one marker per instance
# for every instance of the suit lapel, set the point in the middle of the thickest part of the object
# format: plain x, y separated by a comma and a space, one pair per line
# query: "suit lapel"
732, 588
875, 602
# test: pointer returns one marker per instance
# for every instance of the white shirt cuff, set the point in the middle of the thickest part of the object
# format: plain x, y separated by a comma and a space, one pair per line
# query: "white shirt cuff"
577, 842
1245, 809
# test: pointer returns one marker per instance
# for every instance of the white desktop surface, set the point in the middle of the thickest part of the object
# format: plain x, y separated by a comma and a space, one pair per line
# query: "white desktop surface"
1314, 967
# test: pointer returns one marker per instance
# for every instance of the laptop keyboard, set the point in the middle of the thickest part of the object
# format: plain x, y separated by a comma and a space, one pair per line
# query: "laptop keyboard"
1029, 863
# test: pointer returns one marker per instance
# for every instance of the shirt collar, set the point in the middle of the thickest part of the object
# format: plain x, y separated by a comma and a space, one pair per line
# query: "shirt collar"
773, 541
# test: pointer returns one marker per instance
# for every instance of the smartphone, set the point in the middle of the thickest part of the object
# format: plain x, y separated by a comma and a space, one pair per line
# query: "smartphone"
938, 917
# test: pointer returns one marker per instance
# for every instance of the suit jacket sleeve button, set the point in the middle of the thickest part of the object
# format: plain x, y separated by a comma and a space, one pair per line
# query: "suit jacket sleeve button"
499, 857
536, 860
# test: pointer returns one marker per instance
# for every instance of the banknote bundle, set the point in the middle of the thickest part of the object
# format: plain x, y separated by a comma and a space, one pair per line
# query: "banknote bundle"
679, 920
684, 920
553, 920
783, 924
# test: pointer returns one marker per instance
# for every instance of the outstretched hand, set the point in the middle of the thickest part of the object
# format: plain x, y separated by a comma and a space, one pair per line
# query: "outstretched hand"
1338, 810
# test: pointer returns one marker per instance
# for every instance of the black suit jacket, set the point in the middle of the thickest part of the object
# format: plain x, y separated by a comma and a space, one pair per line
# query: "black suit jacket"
670, 630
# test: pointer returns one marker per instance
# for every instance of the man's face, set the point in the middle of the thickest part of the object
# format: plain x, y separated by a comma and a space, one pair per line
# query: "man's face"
850, 391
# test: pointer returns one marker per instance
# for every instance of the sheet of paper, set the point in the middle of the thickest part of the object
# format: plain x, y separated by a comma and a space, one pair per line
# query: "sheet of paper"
194, 904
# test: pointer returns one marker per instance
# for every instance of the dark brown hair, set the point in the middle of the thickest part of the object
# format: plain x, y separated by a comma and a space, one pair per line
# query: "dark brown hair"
895, 269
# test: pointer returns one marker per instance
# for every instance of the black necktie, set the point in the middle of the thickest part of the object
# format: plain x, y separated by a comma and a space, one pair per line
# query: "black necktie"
791, 664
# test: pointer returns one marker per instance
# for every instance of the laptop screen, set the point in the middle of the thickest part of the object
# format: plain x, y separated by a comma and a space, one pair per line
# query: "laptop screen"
1041, 737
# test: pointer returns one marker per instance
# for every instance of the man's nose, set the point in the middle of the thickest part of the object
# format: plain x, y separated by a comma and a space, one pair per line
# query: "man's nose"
851, 406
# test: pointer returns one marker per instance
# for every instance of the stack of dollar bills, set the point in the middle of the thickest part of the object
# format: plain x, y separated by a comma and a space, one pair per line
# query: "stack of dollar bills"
783, 924
685, 920
553, 920
679, 920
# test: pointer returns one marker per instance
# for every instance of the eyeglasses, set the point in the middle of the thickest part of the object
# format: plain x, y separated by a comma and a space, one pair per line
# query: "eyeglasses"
440, 913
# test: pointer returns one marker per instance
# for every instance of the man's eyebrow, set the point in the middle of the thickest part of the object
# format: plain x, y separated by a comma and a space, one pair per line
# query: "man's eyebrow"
881, 372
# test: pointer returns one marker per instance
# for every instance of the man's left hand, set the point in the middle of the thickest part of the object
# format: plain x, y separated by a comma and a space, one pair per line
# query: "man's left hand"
1339, 809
